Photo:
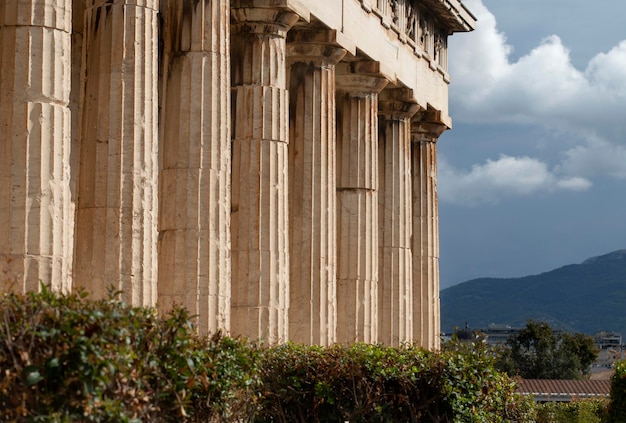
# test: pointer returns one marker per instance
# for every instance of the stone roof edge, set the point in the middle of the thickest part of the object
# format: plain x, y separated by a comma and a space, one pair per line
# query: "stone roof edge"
455, 14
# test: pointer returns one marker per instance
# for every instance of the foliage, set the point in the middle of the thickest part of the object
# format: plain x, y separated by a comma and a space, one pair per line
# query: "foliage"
583, 411
477, 391
375, 383
538, 352
617, 406
63, 358
359, 382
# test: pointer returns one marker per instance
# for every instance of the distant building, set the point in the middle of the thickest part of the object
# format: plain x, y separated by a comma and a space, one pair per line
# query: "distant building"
607, 340
499, 334
611, 349
493, 334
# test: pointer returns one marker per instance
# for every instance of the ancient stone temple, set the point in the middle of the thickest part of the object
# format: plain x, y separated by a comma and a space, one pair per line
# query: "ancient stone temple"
269, 164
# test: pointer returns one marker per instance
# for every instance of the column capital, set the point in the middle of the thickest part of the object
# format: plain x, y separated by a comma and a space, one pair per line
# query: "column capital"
427, 126
270, 17
360, 78
53, 14
317, 46
397, 103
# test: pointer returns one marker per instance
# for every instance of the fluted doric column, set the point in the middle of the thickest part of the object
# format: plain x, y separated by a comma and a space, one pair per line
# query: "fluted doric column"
36, 221
396, 106
358, 85
425, 131
117, 190
194, 197
78, 26
259, 219
312, 56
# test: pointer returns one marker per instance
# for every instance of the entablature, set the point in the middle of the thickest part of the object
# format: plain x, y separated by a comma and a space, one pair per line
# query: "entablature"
407, 37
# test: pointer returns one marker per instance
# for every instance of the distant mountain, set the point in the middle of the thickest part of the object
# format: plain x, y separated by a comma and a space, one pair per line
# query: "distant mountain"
587, 297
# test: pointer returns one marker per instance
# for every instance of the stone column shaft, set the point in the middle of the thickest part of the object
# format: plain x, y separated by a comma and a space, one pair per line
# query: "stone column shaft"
312, 186
357, 201
425, 131
194, 198
395, 290
36, 220
117, 203
260, 231
78, 22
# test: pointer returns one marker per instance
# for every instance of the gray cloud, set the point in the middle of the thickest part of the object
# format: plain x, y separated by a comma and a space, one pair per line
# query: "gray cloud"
505, 177
544, 89
595, 159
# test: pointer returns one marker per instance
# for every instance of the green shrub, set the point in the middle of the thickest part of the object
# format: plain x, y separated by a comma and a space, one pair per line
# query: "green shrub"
63, 358
476, 391
617, 407
583, 411
360, 382
374, 383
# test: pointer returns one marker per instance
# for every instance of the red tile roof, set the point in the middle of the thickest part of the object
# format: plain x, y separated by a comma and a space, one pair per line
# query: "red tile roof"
563, 390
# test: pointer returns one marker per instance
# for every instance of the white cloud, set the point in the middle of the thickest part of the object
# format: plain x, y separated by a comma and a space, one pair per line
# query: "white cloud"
542, 87
505, 177
584, 109
608, 72
596, 158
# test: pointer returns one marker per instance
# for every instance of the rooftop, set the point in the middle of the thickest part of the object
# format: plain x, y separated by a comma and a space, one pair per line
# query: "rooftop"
563, 390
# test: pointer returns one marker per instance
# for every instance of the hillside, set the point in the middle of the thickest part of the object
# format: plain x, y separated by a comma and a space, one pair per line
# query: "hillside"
586, 297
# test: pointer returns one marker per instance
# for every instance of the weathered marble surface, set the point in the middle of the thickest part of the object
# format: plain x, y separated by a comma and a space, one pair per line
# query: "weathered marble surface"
268, 164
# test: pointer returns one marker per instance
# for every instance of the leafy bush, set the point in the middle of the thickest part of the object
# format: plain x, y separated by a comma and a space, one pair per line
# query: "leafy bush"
63, 358
617, 407
583, 411
360, 382
476, 391
374, 383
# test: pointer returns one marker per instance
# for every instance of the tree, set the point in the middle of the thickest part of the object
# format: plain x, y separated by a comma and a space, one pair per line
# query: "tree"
539, 352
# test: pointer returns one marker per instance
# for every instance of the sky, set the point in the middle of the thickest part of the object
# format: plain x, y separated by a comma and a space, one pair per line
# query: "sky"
532, 174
